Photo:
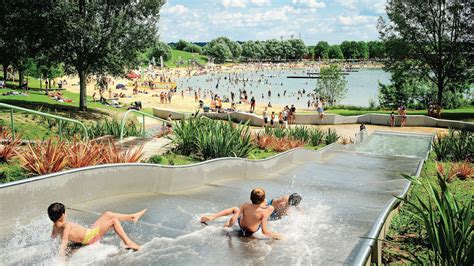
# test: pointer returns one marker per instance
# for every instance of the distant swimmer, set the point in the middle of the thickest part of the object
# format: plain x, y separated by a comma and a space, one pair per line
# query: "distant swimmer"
79, 235
250, 217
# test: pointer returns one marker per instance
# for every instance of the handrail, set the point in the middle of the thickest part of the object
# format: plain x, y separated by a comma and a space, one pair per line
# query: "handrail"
60, 118
124, 118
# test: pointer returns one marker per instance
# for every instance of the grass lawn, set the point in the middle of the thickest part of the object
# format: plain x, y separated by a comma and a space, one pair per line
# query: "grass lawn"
11, 171
405, 235
184, 57
171, 158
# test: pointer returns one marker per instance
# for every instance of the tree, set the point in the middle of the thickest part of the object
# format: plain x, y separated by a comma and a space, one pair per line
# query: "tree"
350, 49
435, 39
332, 84
376, 49
362, 50
220, 52
182, 44
335, 52
160, 49
193, 48
102, 37
321, 50
252, 50
299, 49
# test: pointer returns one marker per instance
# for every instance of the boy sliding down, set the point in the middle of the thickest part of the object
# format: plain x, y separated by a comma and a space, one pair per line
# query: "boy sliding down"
78, 234
250, 216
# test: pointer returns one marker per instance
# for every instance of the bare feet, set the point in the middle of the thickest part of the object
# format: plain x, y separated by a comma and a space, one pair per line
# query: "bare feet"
205, 219
132, 245
138, 215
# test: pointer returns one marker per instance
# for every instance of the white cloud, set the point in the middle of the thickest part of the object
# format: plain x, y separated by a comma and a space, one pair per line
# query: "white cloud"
355, 20
310, 3
234, 3
174, 10
261, 2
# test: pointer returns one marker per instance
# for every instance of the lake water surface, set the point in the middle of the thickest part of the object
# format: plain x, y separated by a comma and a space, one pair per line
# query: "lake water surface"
362, 85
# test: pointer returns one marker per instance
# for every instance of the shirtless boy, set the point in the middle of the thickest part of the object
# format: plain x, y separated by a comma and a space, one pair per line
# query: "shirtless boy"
282, 204
79, 235
250, 216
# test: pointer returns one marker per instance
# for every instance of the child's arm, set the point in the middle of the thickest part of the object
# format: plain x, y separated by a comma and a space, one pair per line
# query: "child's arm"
54, 233
265, 229
64, 240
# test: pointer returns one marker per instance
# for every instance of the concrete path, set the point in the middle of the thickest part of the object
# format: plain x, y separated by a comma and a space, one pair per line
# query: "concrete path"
151, 146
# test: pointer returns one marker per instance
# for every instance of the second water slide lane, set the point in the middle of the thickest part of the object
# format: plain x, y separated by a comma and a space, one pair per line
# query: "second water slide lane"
344, 192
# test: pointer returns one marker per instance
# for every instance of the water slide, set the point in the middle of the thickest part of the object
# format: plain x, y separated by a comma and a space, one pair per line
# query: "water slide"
346, 190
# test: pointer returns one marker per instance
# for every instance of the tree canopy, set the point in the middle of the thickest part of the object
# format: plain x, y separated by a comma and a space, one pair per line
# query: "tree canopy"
331, 86
431, 40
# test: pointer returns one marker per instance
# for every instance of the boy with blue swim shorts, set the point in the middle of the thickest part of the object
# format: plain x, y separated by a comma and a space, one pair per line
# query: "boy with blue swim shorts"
250, 217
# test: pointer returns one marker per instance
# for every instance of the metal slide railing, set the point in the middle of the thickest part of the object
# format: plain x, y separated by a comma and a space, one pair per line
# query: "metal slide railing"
59, 118
124, 119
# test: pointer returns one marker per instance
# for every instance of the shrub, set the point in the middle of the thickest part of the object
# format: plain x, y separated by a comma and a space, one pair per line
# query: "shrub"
316, 137
112, 154
8, 146
302, 133
457, 145
447, 222
263, 141
44, 157
331, 136
209, 139
84, 153
156, 159
346, 140
462, 170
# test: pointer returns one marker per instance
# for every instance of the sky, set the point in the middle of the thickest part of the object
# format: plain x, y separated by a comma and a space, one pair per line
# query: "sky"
241, 20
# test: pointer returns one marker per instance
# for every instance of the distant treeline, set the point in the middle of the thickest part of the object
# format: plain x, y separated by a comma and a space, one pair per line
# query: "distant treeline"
223, 49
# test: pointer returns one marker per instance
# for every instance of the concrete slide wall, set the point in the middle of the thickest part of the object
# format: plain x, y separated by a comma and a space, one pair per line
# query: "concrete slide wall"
31, 197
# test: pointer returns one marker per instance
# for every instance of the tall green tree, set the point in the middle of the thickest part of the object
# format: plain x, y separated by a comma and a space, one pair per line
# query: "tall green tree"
432, 40
220, 52
97, 37
332, 85
299, 49
376, 49
362, 50
350, 49
160, 49
321, 50
335, 52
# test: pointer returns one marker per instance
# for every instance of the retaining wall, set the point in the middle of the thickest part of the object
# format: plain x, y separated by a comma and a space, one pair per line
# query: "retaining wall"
332, 119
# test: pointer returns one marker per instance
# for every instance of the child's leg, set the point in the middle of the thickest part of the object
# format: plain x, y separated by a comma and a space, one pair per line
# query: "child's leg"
111, 220
225, 212
125, 217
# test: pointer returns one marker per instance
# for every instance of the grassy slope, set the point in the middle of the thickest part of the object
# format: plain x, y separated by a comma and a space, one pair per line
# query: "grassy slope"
405, 233
177, 55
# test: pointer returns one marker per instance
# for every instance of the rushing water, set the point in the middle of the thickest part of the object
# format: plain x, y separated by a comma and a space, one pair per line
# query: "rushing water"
343, 194
362, 86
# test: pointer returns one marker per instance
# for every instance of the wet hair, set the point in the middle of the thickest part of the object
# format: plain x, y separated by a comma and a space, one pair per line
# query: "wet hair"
257, 195
55, 211
294, 199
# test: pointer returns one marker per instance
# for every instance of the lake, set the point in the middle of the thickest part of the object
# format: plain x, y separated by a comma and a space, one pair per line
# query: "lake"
362, 85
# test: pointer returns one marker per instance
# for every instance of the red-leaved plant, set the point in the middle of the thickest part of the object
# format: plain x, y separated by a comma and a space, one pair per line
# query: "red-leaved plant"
8, 146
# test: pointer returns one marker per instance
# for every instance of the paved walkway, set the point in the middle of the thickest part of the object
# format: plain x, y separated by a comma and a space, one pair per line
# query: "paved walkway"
151, 146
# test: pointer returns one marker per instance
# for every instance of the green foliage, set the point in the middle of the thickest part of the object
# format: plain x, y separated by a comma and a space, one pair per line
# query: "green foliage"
208, 139
156, 159
335, 52
331, 136
103, 37
321, 50
447, 223
160, 49
11, 171
193, 48
428, 40
253, 50
302, 133
376, 50
182, 44
316, 137
223, 49
332, 84
457, 145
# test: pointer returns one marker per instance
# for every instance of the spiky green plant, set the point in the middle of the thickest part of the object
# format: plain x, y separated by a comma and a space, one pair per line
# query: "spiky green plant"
331, 136
302, 133
316, 136
447, 222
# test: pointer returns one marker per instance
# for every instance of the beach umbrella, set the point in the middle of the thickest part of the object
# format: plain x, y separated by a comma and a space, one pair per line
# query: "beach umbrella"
120, 86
